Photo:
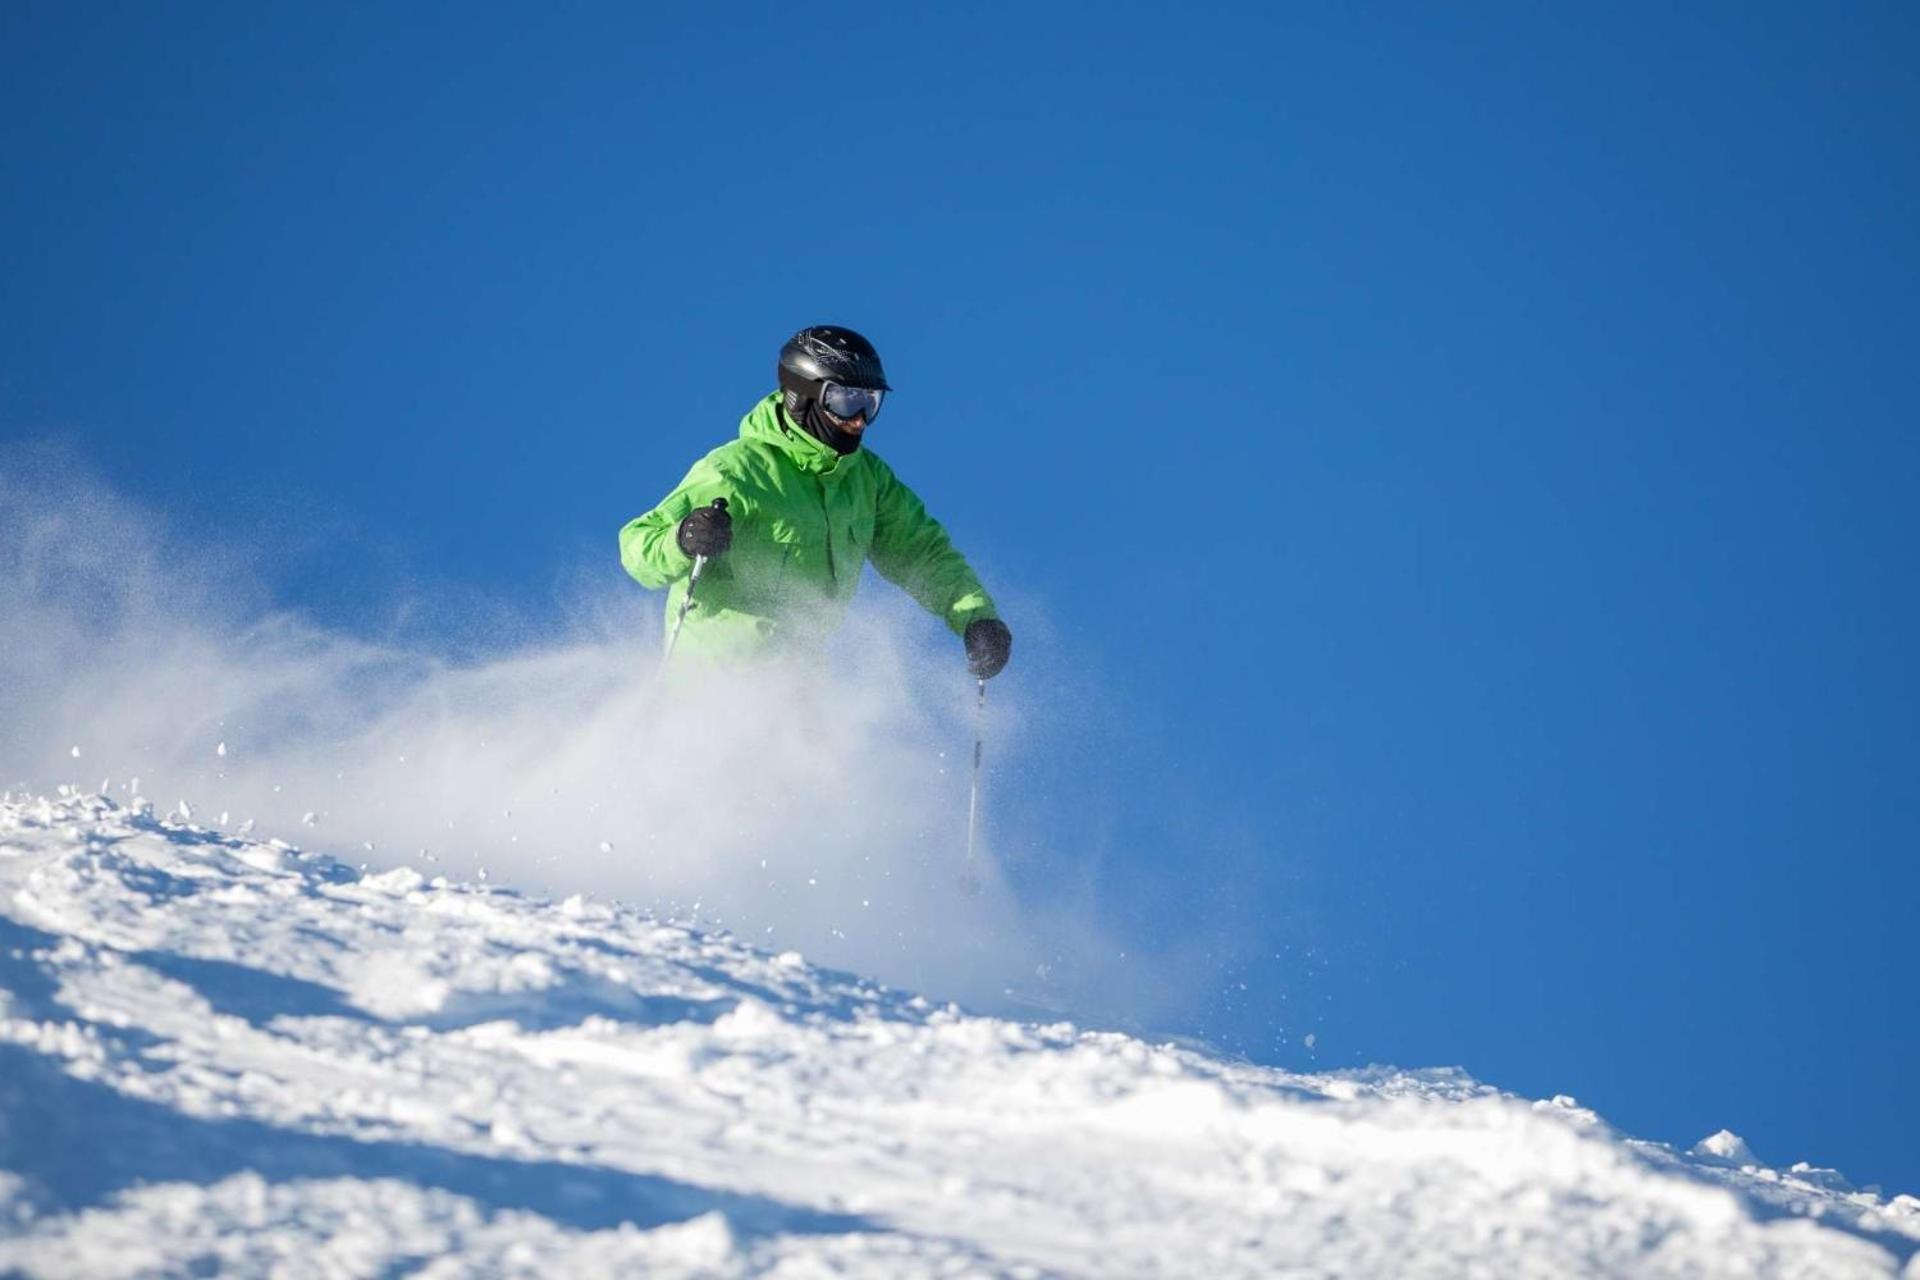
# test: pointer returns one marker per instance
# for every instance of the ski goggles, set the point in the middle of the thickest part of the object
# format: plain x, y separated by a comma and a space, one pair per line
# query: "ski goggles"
847, 403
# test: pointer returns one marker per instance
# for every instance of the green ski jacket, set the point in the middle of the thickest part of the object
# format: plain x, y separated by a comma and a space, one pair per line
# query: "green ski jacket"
805, 521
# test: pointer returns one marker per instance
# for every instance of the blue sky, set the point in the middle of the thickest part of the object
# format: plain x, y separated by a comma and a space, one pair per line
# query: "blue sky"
1477, 449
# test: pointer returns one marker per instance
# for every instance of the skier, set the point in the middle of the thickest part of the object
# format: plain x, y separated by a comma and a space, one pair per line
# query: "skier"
805, 507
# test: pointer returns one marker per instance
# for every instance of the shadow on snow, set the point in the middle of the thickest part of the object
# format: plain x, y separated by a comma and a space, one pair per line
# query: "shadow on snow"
80, 1143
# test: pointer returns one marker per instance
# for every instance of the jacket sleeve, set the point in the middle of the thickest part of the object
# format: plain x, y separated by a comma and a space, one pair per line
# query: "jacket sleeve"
911, 550
648, 548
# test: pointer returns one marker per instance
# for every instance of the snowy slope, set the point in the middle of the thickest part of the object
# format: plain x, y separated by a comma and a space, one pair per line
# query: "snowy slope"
224, 1055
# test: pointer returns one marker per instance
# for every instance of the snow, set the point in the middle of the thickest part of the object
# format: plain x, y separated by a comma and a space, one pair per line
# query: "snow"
223, 1055
1726, 1146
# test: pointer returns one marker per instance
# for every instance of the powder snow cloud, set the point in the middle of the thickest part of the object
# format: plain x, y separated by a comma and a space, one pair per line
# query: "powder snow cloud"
819, 812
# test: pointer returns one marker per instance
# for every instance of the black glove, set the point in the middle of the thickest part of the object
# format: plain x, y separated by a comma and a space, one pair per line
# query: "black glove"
988, 645
707, 531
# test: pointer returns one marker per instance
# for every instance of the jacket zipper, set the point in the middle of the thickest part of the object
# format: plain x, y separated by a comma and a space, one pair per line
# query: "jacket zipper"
827, 511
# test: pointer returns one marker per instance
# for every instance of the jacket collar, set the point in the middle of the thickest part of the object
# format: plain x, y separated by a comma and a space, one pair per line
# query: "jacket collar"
768, 423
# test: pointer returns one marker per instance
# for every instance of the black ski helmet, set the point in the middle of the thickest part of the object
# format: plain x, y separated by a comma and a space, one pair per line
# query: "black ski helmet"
826, 353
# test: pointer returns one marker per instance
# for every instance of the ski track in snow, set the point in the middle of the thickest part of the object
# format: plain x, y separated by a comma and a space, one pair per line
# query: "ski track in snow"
223, 1055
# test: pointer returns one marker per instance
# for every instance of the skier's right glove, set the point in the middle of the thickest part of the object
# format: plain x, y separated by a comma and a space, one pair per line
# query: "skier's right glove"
989, 644
707, 531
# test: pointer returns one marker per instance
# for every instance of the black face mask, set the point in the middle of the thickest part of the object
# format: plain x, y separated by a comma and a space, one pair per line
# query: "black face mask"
820, 425
801, 400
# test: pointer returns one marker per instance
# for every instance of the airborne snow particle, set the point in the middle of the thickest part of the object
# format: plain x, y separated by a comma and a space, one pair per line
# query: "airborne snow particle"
310, 818
1310, 1040
76, 753
220, 750
606, 846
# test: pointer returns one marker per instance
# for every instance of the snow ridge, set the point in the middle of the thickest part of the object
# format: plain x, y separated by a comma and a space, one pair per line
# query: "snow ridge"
224, 1054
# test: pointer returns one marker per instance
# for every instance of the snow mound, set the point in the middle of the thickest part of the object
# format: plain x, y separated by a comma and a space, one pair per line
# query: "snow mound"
1725, 1146
224, 1055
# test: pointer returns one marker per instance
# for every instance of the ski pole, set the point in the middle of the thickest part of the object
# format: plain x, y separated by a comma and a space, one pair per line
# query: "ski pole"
686, 601
969, 877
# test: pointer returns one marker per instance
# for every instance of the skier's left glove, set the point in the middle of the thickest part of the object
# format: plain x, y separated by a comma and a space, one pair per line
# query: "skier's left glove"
989, 644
